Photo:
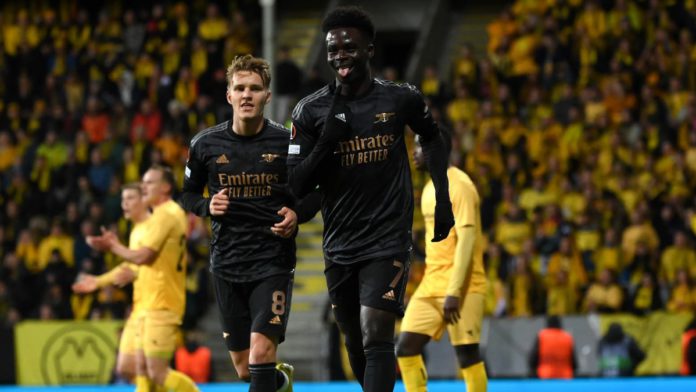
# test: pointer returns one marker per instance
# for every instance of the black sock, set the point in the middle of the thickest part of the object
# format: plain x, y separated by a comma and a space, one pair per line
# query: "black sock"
380, 368
280, 379
263, 377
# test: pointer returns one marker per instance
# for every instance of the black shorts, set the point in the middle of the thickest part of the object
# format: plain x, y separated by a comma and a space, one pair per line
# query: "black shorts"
378, 283
261, 306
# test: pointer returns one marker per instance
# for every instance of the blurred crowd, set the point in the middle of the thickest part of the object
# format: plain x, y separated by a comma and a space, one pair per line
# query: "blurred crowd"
578, 125
90, 96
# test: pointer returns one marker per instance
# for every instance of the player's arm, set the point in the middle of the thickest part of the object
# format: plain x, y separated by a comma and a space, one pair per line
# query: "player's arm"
304, 174
195, 177
435, 153
121, 275
307, 207
462, 262
465, 209
140, 256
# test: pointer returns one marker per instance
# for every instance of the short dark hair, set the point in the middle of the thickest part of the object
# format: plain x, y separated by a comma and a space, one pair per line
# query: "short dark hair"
167, 176
349, 16
132, 186
554, 322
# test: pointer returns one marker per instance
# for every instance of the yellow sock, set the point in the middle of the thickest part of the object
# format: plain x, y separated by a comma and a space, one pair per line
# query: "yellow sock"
475, 378
179, 382
142, 384
413, 373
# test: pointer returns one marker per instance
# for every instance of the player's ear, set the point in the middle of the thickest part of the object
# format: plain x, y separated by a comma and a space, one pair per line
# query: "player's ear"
228, 95
268, 97
370, 50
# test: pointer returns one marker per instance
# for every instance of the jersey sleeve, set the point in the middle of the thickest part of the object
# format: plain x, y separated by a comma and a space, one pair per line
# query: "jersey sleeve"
418, 115
464, 203
303, 136
160, 225
195, 178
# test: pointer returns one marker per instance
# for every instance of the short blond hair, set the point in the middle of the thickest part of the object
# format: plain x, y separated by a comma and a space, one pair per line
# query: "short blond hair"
253, 64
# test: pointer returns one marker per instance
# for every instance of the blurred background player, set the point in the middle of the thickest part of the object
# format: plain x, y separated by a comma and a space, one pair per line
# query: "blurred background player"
135, 210
253, 253
161, 255
452, 291
348, 138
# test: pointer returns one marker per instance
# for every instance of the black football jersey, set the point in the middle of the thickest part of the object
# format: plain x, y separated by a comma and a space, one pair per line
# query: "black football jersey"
254, 172
367, 196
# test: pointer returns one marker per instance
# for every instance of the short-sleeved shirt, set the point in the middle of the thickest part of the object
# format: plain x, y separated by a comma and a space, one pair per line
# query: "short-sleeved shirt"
161, 284
367, 196
439, 256
254, 171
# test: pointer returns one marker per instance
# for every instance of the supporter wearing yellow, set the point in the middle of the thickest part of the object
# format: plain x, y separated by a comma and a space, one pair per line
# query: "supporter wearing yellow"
522, 285
561, 298
453, 290
134, 209
161, 254
683, 296
677, 256
568, 259
640, 230
604, 295
513, 230
609, 254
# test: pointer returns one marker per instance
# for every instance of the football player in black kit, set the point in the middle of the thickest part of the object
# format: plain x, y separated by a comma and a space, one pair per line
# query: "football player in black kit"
348, 139
254, 220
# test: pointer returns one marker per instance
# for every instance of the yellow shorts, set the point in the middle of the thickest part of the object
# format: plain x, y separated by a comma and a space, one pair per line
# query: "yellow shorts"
424, 315
130, 335
159, 331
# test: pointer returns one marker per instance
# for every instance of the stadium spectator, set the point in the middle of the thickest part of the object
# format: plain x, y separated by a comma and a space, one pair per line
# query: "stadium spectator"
605, 295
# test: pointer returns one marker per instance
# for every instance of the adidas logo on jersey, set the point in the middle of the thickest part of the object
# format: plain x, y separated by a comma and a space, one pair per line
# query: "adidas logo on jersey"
275, 321
389, 295
341, 116
222, 159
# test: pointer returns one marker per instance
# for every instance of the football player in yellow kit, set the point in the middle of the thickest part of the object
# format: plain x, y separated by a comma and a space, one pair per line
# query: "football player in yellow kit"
161, 256
452, 292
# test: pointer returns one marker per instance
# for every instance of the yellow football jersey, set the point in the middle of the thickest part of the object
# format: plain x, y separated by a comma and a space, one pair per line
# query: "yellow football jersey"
138, 232
440, 255
161, 285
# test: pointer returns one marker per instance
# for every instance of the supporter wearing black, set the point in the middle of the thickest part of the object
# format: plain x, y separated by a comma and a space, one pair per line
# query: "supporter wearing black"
253, 248
348, 138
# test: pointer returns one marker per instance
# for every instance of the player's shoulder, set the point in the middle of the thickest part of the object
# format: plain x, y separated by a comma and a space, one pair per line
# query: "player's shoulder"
210, 132
167, 212
397, 87
276, 128
305, 105
460, 180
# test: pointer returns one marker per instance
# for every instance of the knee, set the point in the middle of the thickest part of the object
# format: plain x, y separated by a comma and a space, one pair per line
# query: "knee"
468, 355
404, 349
263, 350
124, 371
377, 326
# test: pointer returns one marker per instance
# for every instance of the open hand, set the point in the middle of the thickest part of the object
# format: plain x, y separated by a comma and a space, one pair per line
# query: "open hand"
285, 228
